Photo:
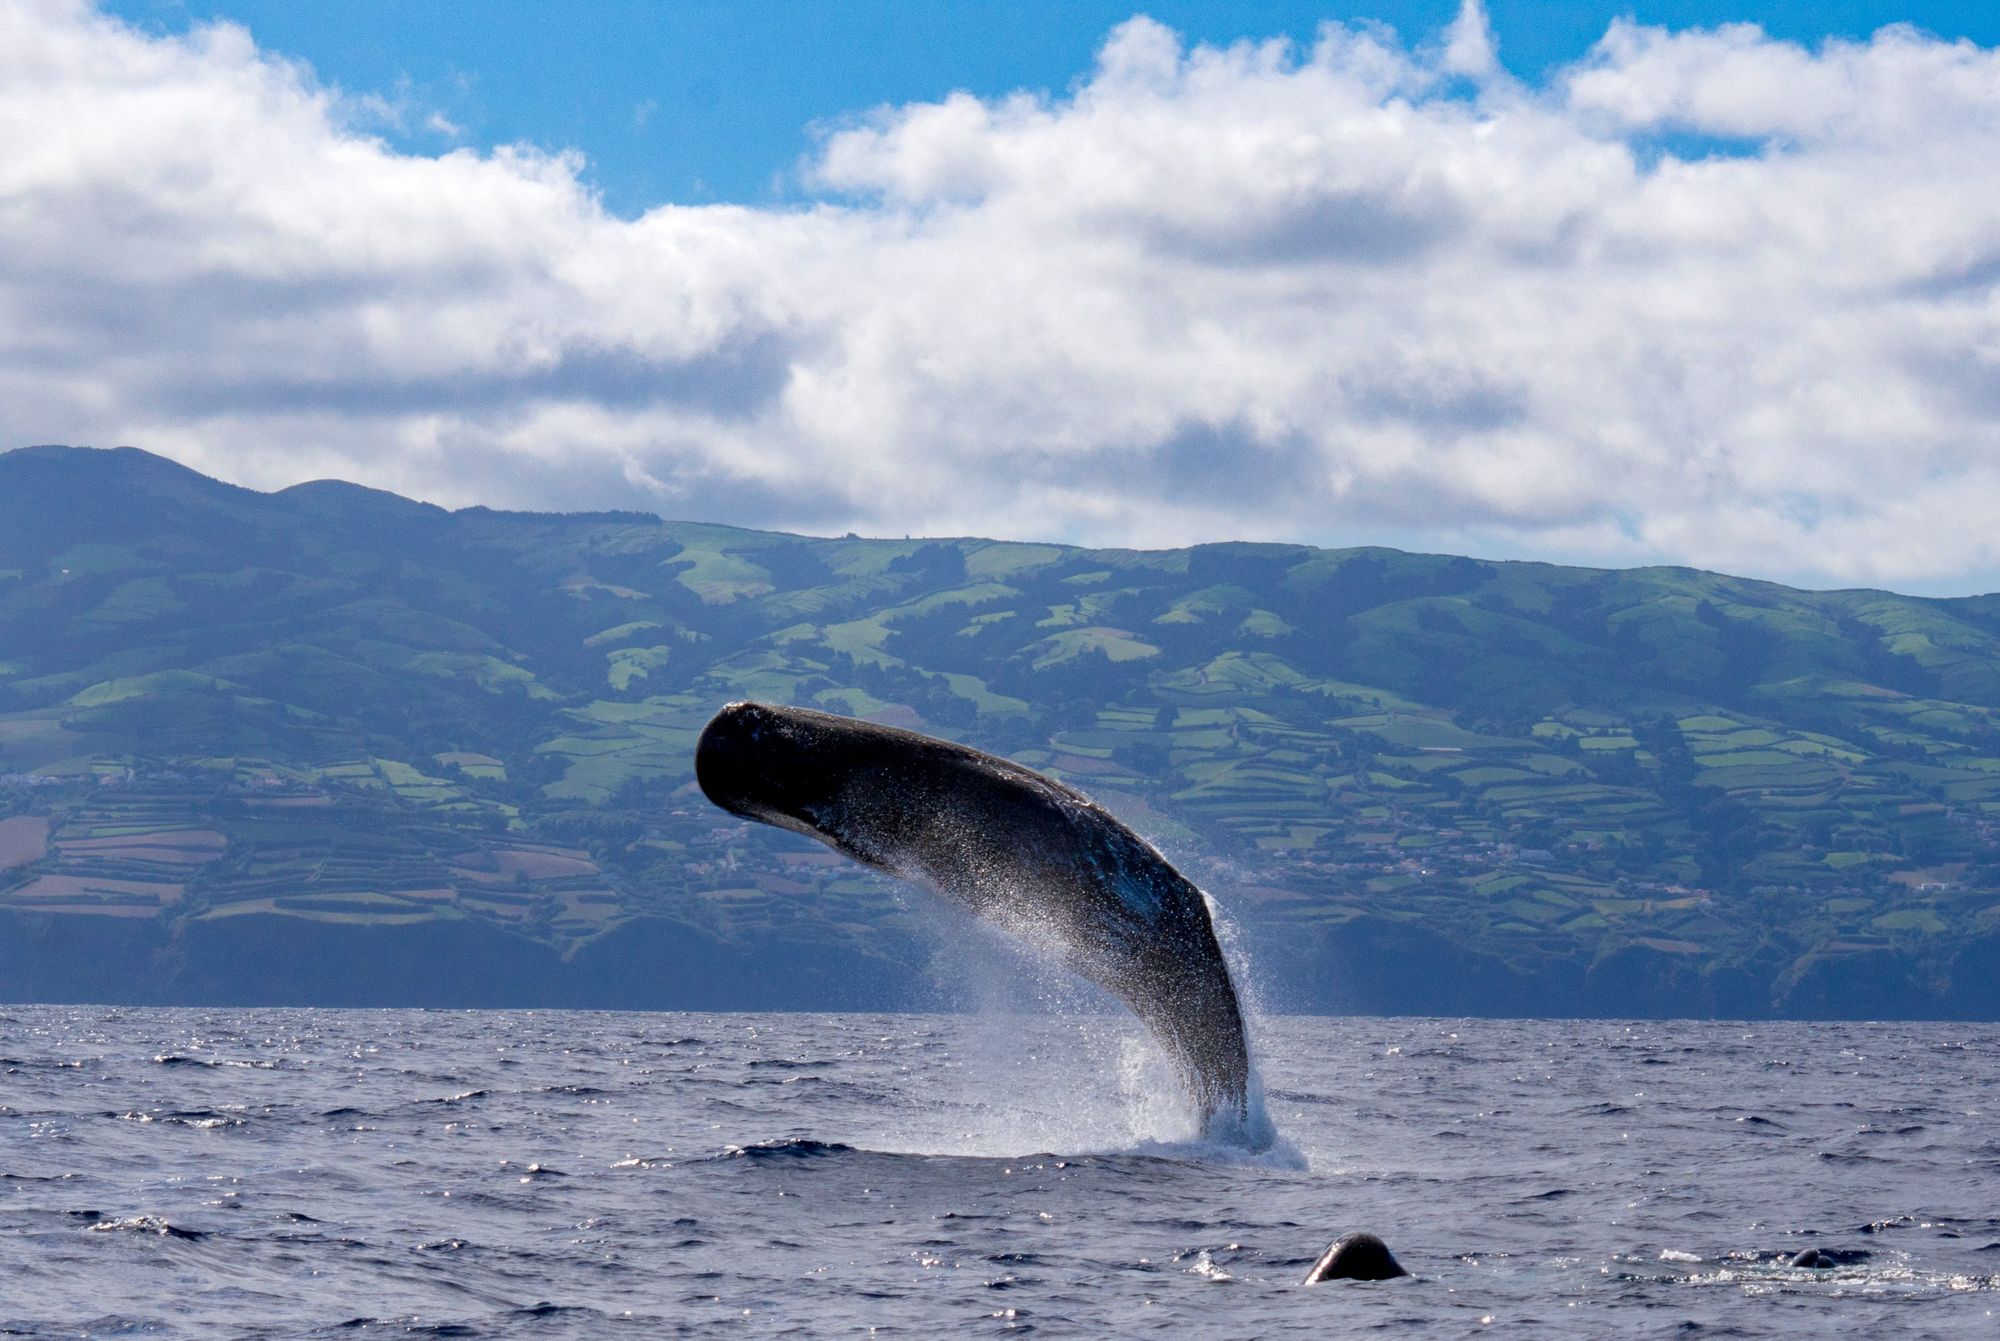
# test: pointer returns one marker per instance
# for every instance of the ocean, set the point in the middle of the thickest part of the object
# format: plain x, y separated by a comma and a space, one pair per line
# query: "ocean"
320, 1173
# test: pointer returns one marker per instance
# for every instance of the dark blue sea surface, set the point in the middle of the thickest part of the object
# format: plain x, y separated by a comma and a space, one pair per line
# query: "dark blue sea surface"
311, 1173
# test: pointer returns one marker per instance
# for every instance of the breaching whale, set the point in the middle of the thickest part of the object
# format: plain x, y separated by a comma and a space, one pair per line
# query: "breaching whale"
1019, 850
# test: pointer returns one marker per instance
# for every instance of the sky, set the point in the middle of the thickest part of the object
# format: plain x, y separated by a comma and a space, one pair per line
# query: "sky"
1689, 282
693, 103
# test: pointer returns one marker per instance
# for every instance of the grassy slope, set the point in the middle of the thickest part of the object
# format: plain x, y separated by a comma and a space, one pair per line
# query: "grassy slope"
1719, 792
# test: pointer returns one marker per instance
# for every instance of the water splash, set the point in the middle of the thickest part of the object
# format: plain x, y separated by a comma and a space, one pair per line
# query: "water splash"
1254, 1128
1057, 1064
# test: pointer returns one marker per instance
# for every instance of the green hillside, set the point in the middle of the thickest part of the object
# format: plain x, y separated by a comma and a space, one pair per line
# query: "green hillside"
330, 722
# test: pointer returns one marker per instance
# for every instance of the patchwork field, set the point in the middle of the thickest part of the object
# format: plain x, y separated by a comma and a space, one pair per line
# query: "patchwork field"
24, 839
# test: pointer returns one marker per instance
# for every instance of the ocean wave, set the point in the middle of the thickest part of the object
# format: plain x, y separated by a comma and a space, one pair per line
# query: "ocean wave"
146, 1224
793, 1148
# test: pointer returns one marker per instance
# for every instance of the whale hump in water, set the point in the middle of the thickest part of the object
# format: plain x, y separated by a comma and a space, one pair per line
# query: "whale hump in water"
1017, 849
1355, 1256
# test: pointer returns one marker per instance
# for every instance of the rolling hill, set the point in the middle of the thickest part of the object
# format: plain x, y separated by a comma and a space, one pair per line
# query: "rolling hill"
330, 745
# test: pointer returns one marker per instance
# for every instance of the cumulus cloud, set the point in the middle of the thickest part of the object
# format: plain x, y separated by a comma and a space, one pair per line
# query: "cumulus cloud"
1705, 297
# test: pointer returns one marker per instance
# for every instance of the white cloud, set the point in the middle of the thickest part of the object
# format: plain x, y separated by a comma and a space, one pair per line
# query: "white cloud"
1468, 43
1706, 297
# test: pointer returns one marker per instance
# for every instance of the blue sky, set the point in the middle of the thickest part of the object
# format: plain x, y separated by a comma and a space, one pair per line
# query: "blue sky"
1713, 283
712, 101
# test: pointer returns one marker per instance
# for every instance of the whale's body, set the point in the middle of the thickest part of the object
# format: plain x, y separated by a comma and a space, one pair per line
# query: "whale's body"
1015, 848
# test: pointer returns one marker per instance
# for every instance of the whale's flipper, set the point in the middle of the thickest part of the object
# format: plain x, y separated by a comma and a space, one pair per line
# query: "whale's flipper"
1016, 848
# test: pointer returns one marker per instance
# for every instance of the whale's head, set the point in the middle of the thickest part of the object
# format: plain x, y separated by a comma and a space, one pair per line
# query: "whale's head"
794, 768
761, 763
857, 786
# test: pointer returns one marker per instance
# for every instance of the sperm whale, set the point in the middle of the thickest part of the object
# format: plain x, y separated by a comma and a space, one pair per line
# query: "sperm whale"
1015, 848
